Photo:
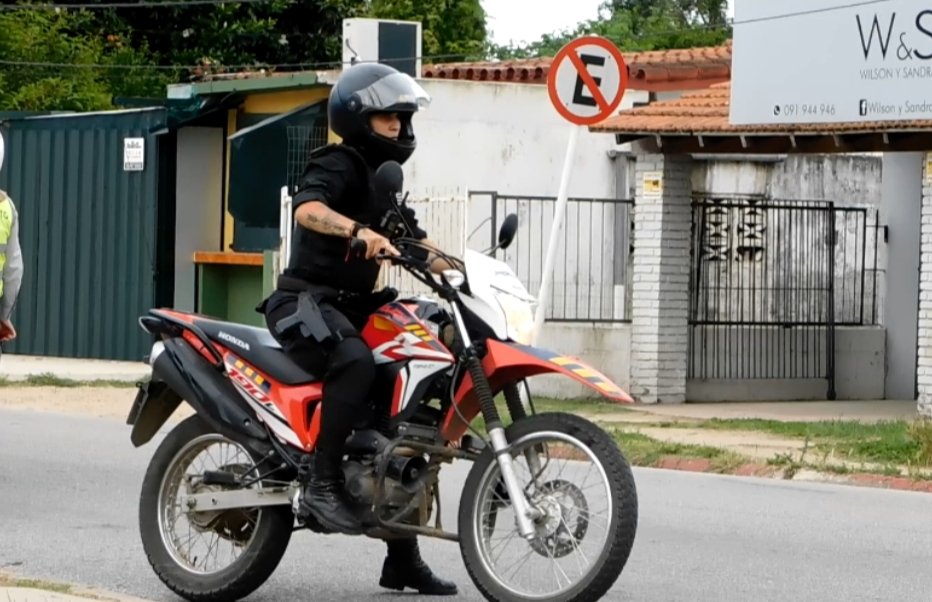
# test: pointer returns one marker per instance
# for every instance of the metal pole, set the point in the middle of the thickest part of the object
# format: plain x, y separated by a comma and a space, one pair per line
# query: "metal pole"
558, 214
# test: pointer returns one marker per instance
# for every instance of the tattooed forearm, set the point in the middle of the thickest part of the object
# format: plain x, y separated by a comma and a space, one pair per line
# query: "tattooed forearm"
319, 218
325, 224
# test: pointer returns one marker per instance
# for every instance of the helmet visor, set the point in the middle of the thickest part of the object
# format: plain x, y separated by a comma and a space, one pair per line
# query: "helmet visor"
396, 92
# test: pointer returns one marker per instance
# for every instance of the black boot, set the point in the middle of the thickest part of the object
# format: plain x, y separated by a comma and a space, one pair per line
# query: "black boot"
403, 568
324, 500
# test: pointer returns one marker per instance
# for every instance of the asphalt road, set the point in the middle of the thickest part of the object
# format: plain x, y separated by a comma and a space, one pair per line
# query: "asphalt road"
69, 487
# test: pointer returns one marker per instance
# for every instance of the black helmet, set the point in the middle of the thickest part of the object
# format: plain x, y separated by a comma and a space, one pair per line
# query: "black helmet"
369, 88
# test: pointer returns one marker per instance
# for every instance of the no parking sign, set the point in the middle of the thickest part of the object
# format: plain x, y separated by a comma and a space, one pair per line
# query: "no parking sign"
586, 83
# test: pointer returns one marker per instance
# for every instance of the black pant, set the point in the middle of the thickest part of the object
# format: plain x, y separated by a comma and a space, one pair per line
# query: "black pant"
347, 369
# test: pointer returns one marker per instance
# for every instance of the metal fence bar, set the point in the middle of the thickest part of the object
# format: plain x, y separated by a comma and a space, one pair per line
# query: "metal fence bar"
593, 280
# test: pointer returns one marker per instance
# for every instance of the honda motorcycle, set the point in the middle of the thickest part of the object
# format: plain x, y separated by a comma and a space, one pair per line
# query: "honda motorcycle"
548, 511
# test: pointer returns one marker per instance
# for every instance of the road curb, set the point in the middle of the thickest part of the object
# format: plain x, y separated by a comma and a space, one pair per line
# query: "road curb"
775, 472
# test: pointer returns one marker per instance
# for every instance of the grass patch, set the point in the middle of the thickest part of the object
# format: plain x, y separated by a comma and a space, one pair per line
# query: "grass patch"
51, 380
859, 442
641, 450
61, 588
891, 442
578, 406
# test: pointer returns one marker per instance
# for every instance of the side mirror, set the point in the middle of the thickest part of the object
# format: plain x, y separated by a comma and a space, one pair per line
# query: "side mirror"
506, 234
389, 178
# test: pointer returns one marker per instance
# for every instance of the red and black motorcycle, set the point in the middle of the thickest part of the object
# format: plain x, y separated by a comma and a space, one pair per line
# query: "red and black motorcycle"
548, 510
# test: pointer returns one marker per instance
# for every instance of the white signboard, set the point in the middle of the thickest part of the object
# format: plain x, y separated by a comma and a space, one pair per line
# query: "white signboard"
829, 61
134, 154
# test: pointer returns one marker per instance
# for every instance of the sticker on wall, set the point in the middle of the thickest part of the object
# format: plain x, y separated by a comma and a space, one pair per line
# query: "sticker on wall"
653, 183
134, 154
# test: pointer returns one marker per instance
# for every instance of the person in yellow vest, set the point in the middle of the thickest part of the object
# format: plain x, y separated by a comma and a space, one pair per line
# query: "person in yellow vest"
11, 260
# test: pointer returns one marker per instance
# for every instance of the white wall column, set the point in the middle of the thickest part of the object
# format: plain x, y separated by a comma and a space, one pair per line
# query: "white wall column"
660, 291
900, 206
924, 351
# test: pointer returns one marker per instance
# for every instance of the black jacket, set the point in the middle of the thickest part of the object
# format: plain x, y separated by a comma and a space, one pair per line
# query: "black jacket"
338, 176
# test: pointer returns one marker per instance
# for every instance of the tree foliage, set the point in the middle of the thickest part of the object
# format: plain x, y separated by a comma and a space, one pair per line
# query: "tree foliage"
30, 39
93, 48
225, 35
101, 53
452, 29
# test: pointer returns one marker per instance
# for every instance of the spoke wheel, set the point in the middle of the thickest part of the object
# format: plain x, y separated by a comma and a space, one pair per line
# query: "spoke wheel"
213, 555
584, 496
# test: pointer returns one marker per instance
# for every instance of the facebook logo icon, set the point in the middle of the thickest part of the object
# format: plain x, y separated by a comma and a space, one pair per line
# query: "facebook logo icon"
862, 107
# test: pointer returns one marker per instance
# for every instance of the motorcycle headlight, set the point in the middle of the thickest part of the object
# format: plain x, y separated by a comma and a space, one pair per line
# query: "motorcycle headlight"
518, 317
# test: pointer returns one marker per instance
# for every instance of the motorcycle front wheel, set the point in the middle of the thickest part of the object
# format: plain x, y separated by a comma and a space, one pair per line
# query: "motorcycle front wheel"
583, 491
207, 556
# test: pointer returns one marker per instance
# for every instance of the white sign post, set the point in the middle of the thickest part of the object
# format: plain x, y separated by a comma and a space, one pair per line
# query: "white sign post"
586, 82
831, 61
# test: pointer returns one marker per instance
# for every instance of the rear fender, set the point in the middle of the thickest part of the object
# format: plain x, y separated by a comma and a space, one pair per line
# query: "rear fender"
510, 362
155, 403
188, 375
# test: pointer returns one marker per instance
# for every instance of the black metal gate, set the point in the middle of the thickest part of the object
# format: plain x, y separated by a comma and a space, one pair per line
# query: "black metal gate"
762, 290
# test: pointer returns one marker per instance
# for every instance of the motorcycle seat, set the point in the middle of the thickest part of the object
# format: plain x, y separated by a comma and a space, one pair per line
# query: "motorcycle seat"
258, 347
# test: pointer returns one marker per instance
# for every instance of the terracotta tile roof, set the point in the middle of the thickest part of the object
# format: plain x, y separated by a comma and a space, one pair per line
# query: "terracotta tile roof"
652, 70
706, 112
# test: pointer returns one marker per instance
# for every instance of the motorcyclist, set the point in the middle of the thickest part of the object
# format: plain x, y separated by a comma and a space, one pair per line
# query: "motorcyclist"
370, 108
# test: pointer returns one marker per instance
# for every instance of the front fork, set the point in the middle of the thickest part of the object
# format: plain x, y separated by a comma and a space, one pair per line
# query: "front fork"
525, 513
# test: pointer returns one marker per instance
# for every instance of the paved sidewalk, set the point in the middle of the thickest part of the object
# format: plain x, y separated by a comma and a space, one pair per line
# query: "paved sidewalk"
28, 594
801, 411
20, 367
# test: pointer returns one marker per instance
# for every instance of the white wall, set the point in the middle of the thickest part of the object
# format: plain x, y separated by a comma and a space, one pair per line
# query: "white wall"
507, 138
848, 180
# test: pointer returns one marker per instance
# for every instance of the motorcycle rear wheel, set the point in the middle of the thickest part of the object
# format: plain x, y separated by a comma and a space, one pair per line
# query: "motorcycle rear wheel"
256, 537
572, 515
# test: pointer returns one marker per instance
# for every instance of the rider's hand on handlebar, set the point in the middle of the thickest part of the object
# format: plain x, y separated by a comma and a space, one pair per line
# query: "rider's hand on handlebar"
376, 244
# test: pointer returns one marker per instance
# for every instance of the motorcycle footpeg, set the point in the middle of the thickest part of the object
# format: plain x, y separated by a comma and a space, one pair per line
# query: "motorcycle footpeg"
217, 477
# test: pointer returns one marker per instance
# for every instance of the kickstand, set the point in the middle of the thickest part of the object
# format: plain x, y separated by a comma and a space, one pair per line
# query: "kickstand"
438, 523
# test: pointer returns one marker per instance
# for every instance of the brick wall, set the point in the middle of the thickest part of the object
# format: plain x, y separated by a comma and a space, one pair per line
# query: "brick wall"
660, 289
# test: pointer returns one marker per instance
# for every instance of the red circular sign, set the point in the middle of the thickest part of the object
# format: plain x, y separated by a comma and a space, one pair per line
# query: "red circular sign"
587, 80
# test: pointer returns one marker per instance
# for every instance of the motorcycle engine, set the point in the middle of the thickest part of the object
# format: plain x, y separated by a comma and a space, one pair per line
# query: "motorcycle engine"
361, 482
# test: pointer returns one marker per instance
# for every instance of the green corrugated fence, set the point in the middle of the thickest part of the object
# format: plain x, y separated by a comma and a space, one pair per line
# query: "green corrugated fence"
88, 228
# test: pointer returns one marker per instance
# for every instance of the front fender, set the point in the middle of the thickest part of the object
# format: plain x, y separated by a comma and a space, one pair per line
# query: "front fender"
511, 362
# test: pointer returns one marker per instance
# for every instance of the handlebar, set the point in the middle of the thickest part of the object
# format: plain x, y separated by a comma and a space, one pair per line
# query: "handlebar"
419, 267
358, 249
